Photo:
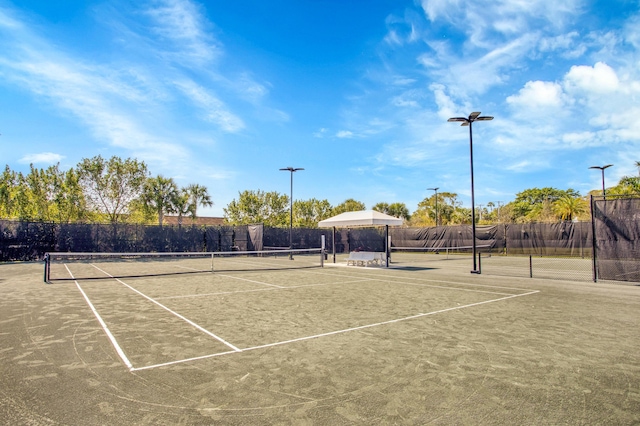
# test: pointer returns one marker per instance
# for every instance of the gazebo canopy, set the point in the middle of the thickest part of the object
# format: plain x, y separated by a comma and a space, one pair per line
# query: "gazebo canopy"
360, 218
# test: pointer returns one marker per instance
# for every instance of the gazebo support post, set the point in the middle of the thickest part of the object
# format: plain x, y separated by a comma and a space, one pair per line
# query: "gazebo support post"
334, 244
386, 245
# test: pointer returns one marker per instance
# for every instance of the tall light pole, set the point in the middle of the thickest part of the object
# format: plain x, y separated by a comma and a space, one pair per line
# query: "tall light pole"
499, 203
601, 168
468, 121
292, 170
435, 189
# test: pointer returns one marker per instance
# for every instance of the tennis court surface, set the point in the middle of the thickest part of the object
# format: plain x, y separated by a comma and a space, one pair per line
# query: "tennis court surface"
280, 341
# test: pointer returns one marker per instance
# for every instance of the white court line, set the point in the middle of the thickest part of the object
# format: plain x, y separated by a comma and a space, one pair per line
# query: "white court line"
402, 282
220, 339
117, 347
220, 293
378, 278
251, 281
468, 284
332, 333
471, 290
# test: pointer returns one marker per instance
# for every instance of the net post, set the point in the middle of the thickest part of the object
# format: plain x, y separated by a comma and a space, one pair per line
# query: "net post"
387, 249
594, 241
211, 262
322, 249
47, 268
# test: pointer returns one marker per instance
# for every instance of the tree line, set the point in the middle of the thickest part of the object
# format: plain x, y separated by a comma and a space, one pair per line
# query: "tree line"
117, 190
97, 190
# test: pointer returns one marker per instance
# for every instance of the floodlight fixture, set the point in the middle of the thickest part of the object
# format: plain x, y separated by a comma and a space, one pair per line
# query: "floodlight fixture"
436, 190
468, 121
601, 168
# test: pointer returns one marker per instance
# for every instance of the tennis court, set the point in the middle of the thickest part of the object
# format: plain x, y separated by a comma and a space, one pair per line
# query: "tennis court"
279, 341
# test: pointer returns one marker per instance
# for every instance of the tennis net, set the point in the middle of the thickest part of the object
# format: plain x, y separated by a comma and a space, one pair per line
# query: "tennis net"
82, 266
445, 252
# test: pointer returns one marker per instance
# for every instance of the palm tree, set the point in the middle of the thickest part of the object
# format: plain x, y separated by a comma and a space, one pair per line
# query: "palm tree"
568, 207
182, 204
198, 195
159, 196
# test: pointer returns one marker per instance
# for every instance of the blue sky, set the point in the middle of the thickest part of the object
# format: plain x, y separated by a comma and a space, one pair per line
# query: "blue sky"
357, 92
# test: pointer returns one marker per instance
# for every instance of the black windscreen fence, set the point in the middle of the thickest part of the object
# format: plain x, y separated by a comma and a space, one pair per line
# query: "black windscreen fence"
30, 240
301, 238
570, 239
489, 237
573, 239
615, 229
616, 221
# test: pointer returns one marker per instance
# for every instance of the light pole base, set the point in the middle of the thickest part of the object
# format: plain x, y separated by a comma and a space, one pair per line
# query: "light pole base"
475, 272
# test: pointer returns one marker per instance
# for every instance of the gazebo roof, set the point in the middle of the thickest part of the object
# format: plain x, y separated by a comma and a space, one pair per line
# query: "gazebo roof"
360, 218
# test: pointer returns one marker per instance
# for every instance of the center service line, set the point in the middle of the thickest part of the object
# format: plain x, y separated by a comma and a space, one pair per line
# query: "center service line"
220, 339
103, 324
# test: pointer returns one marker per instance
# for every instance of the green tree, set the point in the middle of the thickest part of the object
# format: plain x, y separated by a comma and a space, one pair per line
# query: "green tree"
448, 204
160, 196
398, 210
182, 205
269, 208
349, 205
568, 208
111, 186
540, 195
198, 196
536, 204
307, 214
627, 185
8, 193
69, 202
37, 188
43, 194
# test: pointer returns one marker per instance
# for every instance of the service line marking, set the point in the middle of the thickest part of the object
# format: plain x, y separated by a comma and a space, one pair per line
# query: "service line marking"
187, 320
221, 293
332, 333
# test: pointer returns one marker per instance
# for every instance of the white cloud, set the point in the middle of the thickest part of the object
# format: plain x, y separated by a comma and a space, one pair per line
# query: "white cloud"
215, 110
567, 45
581, 139
320, 133
631, 31
42, 158
403, 81
507, 17
446, 107
344, 134
180, 22
600, 78
537, 94
393, 38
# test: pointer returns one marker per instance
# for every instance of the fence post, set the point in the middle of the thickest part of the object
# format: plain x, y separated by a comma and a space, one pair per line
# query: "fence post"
47, 268
594, 243
530, 266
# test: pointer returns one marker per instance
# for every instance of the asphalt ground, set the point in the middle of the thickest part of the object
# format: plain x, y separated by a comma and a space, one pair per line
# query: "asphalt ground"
415, 344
